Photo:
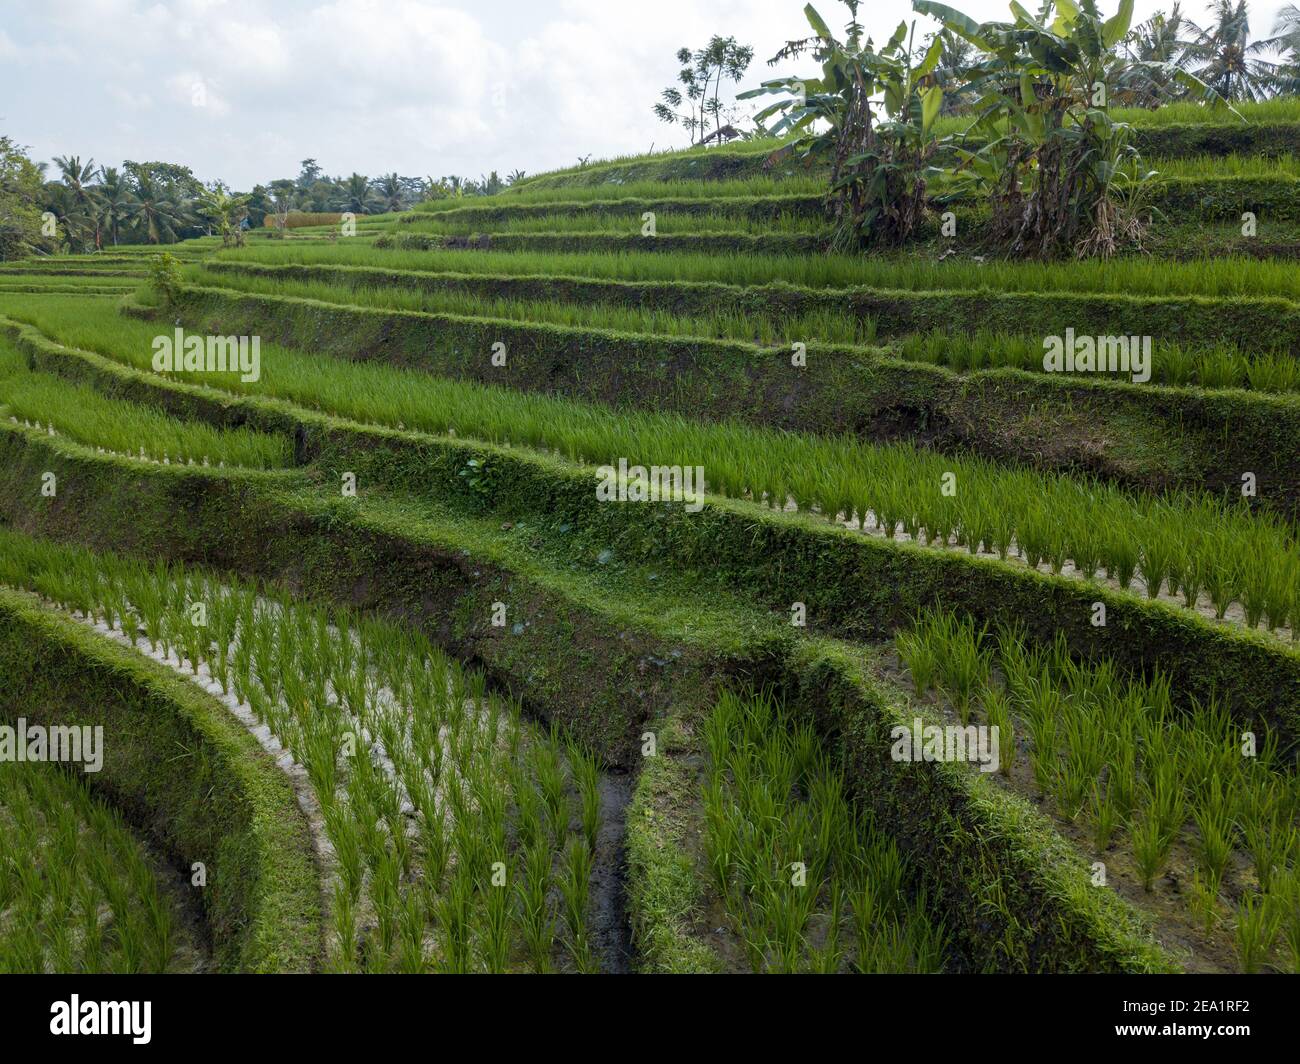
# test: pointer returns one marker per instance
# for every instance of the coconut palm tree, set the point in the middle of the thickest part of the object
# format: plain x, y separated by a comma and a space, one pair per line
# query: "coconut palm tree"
390, 191
1287, 42
82, 199
1157, 40
356, 195
116, 204
956, 56
1223, 56
156, 214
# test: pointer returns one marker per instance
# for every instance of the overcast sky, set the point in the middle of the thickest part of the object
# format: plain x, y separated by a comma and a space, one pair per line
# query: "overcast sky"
243, 90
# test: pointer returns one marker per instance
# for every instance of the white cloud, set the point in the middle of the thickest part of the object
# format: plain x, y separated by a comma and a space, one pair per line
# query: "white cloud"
417, 86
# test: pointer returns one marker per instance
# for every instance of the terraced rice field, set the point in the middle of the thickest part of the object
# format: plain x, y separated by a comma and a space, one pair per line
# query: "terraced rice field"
939, 660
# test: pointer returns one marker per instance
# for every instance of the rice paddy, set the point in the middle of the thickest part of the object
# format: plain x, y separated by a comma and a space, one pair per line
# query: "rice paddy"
77, 892
44, 402
1218, 278
524, 725
460, 838
1146, 787
806, 882
1171, 363
1203, 553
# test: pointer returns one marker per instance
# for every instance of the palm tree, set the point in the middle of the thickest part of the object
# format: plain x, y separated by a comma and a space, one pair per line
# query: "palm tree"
356, 194
157, 214
1224, 57
1157, 40
116, 204
390, 191
82, 198
1287, 42
956, 56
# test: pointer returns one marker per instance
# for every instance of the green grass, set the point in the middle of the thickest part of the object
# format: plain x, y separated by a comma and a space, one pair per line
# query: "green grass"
1221, 277
808, 884
77, 893
1111, 753
454, 823
1209, 366
1196, 547
734, 188
82, 414
1203, 167
629, 224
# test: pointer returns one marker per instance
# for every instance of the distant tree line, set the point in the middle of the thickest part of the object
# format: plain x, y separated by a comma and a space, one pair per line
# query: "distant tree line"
86, 207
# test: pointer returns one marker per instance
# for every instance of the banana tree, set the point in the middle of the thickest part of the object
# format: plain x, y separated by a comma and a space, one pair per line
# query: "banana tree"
870, 117
225, 211
1062, 175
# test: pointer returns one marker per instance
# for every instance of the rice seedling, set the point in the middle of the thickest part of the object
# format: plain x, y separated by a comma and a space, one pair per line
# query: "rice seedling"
575, 882
1265, 828
997, 712
78, 892
1223, 276
920, 657
83, 415
1214, 844
424, 778
1104, 815
586, 774
1173, 364
800, 875
537, 920
1209, 167
686, 190
1259, 921
497, 929
1286, 896
1203, 902
628, 223
1175, 112
964, 661
1149, 777
1214, 366
1150, 845
432, 295
1046, 519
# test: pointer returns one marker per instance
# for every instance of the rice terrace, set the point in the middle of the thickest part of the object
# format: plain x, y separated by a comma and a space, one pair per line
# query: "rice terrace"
859, 535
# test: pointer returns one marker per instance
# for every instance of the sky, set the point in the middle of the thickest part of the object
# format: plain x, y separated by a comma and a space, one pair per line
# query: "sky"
244, 90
